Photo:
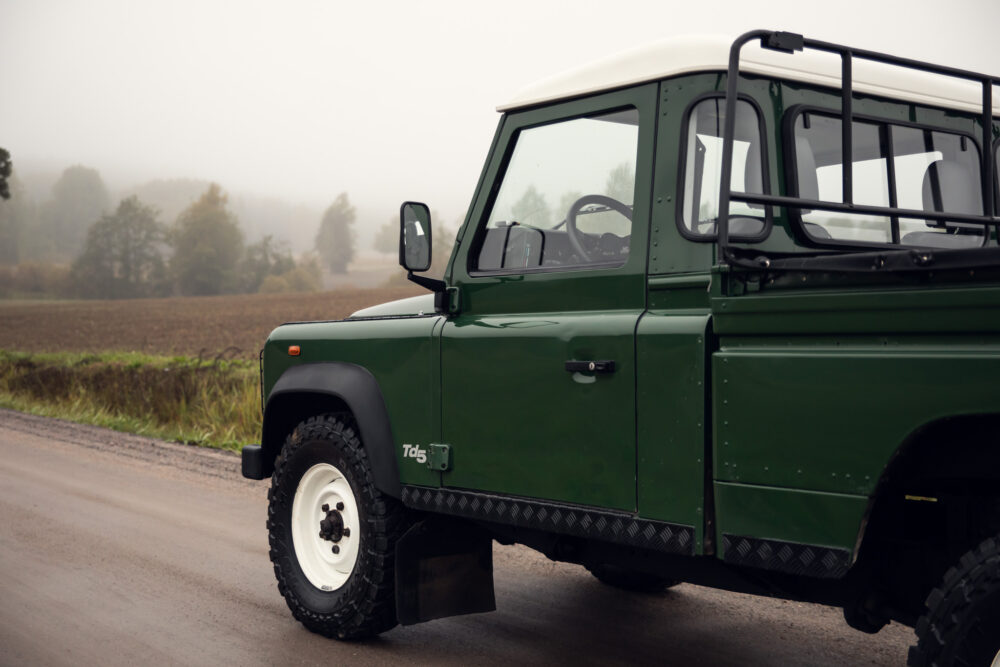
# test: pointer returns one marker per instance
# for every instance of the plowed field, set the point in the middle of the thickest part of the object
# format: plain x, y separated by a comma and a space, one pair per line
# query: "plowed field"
233, 326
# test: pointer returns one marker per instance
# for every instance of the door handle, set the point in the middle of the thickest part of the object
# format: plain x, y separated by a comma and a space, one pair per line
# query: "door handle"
605, 366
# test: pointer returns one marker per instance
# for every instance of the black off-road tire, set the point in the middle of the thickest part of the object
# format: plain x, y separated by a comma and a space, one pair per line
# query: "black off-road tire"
630, 580
365, 604
962, 623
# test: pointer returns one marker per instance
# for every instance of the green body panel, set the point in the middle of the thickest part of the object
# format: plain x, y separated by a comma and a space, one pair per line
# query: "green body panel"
402, 355
670, 361
422, 304
827, 417
519, 423
806, 517
681, 294
866, 310
807, 397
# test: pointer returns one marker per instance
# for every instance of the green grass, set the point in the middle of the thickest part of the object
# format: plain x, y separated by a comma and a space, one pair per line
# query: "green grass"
213, 402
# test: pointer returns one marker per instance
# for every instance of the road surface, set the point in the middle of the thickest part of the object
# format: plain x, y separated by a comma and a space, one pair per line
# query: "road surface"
117, 549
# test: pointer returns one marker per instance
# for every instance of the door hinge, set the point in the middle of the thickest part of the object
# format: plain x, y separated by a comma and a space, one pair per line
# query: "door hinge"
439, 457
447, 301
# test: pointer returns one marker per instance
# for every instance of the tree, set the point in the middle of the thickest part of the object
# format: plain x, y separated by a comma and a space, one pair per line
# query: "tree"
208, 245
443, 239
169, 196
444, 243
335, 239
79, 199
299, 279
621, 183
123, 254
265, 258
568, 199
17, 217
6, 169
387, 237
532, 209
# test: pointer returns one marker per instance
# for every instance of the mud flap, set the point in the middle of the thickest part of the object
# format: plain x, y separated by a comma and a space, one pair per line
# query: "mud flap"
444, 567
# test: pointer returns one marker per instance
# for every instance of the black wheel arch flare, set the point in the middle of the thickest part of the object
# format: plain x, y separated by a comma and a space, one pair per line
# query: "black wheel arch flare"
309, 389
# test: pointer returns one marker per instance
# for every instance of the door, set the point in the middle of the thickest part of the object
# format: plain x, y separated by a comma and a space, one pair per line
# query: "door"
551, 276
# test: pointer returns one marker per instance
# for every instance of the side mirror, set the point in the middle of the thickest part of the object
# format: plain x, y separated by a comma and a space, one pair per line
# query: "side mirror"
414, 236
415, 251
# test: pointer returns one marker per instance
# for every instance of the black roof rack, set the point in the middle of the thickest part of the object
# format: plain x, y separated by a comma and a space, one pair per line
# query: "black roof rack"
909, 258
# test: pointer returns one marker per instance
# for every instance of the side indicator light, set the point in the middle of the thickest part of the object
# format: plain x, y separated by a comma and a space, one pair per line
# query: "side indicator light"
294, 350
923, 499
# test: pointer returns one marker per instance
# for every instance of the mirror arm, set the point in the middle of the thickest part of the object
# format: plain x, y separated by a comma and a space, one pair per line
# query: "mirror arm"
445, 298
432, 284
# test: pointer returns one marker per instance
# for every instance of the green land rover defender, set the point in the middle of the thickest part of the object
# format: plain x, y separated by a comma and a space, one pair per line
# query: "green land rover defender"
722, 313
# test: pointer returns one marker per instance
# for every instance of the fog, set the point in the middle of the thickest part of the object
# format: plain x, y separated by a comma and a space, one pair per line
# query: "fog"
299, 101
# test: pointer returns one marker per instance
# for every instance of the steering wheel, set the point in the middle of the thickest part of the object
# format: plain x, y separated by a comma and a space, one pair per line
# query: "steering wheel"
574, 234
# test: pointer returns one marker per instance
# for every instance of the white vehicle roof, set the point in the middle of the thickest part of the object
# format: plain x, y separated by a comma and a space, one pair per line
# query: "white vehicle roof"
684, 55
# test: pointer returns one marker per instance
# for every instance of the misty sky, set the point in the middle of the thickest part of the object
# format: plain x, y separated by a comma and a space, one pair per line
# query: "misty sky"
388, 101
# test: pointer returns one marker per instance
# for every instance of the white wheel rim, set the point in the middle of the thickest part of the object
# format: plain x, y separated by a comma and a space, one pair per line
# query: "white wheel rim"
324, 484
996, 660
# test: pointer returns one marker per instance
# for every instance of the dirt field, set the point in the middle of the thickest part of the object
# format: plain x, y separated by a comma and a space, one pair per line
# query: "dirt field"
190, 326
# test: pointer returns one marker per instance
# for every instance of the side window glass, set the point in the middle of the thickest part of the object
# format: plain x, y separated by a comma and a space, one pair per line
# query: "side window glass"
566, 196
703, 170
819, 172
930, 171
996, 174
937, 171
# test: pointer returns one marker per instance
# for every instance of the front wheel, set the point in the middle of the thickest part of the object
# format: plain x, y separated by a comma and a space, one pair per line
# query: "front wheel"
962, 623
332, 533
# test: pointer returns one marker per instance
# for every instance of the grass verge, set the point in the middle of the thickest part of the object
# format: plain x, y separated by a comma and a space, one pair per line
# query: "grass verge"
213, 403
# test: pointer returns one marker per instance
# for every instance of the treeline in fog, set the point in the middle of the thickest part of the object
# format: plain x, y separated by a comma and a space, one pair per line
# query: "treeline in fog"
161, 239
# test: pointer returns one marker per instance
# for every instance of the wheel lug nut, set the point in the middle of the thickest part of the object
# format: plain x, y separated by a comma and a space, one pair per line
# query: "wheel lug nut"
347, 532
340, 507
325, 508
336, 549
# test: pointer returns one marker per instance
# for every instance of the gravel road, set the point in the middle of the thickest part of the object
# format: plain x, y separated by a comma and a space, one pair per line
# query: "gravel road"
117, 549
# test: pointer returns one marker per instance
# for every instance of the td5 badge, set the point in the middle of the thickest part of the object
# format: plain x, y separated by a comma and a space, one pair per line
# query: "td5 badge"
415, 452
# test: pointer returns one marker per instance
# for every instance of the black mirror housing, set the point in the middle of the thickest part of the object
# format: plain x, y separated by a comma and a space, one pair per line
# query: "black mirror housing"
414, 236
415, 251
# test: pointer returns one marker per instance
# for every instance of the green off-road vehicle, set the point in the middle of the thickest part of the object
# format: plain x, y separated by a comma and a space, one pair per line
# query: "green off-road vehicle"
719, 313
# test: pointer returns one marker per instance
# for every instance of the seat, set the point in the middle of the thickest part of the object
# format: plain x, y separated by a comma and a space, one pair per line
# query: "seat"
949, 187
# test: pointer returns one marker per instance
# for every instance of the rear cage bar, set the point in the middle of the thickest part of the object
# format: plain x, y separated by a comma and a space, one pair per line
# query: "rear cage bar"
897, 258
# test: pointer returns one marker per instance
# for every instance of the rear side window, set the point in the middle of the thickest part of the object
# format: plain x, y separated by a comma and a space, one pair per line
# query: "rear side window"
996, 174
893, 166
702, 169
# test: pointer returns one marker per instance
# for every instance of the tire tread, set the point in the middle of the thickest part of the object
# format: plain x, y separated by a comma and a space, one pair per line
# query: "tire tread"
941, 631
371, 606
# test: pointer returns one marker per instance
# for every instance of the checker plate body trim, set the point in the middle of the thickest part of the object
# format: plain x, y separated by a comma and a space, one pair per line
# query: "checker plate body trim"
555, 517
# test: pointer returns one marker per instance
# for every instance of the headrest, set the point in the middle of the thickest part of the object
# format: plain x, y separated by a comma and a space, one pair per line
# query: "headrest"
951, 187
753, 181
805, 165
